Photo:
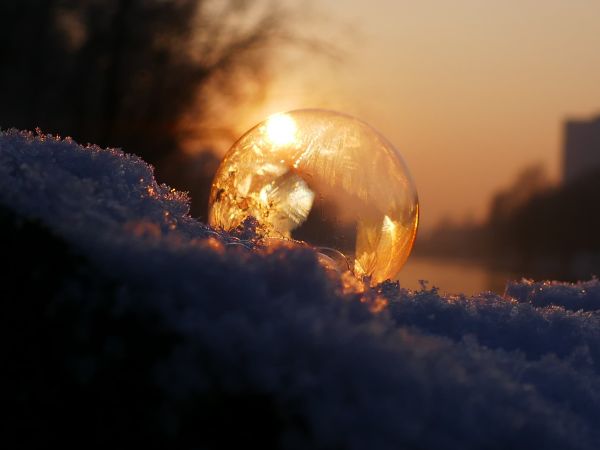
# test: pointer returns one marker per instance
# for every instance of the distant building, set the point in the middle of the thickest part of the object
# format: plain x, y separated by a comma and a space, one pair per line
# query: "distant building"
581, 148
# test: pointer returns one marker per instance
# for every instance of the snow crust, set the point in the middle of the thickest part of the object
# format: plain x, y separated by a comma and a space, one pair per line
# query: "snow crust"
428, 371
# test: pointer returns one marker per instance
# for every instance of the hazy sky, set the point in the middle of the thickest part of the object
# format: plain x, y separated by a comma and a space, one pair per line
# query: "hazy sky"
470, 91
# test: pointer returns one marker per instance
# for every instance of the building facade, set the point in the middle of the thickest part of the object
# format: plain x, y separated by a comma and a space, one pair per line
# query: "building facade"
581, 148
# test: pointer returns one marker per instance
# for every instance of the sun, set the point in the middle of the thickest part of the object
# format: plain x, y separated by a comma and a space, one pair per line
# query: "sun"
281, 129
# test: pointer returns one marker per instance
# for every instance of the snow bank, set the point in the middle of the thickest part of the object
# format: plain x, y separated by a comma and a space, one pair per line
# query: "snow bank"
128, 322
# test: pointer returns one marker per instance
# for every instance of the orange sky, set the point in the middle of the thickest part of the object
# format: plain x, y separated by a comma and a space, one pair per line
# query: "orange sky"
470, 91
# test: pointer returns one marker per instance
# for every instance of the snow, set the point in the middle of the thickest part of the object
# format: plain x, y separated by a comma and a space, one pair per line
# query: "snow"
220, 342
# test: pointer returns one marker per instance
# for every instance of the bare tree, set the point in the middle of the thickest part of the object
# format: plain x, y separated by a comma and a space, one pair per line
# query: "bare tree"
125, 73
137, 66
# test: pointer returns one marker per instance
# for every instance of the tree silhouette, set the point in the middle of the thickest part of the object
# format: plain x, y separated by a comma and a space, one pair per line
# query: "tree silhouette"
124, 73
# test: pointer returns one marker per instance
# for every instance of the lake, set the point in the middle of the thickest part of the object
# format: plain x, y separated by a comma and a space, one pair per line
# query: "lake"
453, 276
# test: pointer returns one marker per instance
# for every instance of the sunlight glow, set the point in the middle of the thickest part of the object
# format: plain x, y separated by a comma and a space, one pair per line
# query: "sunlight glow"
281, 130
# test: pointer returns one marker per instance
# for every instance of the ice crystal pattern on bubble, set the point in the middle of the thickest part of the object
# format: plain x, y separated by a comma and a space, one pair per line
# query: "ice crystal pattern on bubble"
325, 178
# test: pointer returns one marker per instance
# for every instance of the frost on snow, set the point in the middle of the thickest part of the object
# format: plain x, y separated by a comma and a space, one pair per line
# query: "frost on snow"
126, 321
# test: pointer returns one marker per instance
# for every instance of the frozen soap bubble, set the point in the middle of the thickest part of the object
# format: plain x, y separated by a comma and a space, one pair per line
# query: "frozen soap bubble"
324, 178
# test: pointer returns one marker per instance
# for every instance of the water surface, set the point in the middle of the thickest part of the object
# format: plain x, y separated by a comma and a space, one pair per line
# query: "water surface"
453, 276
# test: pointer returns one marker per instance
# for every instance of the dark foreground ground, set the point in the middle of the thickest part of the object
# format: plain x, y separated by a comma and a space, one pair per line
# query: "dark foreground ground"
126, 322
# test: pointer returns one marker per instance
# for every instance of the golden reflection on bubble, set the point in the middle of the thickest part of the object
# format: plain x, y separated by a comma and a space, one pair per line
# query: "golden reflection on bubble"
324, 178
